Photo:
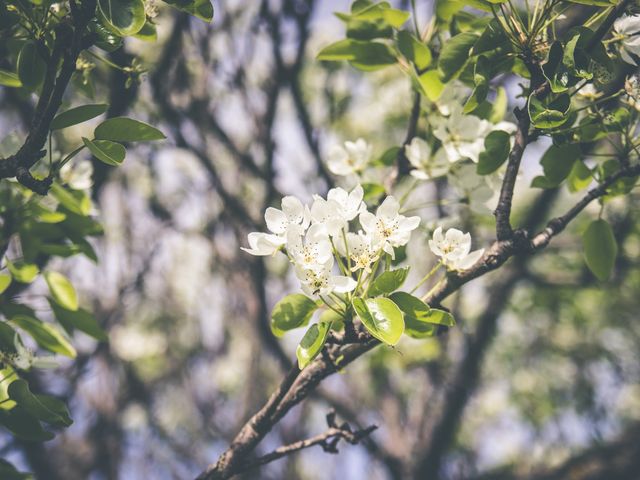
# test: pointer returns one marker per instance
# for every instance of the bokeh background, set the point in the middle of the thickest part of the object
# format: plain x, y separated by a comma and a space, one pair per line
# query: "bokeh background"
539, 379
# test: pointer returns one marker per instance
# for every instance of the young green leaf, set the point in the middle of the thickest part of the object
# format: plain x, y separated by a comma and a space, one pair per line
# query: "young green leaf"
202, 9
312, 343
558, 161
455, 54
5, 281
31, 66
80, 319
293, 311
23, 272
388, 282
77, 115
431, 85
124, 17
9, 79
45, 335
600, 248
362, 55
122, 129
381, 317
496, 150
75, 201
62, 290
19, 392
415, 314
579, 178
414, 50
106, 151
23, 425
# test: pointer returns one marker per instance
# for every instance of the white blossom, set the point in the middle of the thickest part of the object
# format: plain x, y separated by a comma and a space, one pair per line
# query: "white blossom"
387, 226
628, 28
425, 165
263, 244
363, 250
350, 203
352, 158
292, 213
454, 249
279, 222
24, 358
312, 250
462, 136
322, 282
77, 175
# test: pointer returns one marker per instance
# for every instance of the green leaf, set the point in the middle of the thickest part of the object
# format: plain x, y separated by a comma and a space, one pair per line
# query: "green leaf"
23, 272
579, 178
78, 115
496, 151
9, 472
381, 317
122, 129
372, 191
440, 317
499, 107
415, 314
31, 66
23, 425
551, 115
202, 9
600, 248
312, 343
455, 54
45, 335
62, 290
388, 282
431, 85
75, 201
148, 32
124, 17
414, 50
106, 151
80, 319
558, 161
35, 406
293, 311
5, 281
9, 79
362, 55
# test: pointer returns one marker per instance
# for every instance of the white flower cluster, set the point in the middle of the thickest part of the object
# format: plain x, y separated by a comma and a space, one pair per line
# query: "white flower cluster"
314, 237
352, 158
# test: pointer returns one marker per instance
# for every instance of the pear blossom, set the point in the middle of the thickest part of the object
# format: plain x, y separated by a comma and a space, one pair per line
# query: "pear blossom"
462, 136
328, 213
24, 358
351, 158
474, 188
426, 166
322, 282
350, 203
311, 251
628, 28
77, 176
389, 227
453, 248
363, 251
263, 244
292, 213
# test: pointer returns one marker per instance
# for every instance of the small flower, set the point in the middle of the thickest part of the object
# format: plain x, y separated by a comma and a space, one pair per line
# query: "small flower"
350, 203
24, 358
311, 251
279, 222
362, 250
352, 158
322, 282
418, 153
263, 244
628, 28
77, 176
387, 226
292, 213
454, 249
462, 136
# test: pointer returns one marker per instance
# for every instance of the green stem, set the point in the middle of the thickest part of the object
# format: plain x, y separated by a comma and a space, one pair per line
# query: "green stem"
427, 276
